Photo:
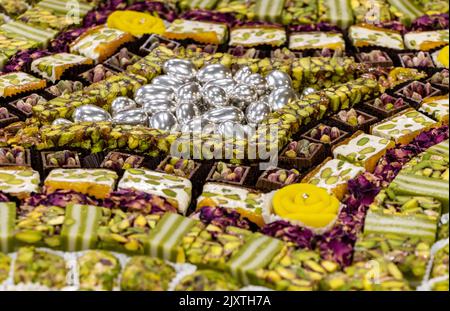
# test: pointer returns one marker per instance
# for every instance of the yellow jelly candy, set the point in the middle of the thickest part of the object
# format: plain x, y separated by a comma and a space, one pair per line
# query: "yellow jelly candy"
443, 56
136, 23
306, 203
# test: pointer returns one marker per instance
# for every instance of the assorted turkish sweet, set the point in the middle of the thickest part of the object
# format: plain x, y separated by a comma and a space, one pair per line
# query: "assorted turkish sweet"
96, 100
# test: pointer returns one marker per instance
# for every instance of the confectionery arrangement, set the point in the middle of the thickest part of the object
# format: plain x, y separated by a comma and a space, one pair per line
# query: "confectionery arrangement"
227, 145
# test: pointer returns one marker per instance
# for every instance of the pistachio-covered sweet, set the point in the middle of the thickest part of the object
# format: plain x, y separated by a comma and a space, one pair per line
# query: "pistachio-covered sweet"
52, 67
428, 165
40, 226
94, 182
208, 280
5, 266
98, 270
20, 183
43, 18
368, 35
34, 266
426, 40
295, 270
177, 190
254, 36
204, 32
437, 107
410, 254
230, 173
16, 82
373, 275
403, 127
421, 59
143, 273
440, 262
247, 202
13, 156
302, 149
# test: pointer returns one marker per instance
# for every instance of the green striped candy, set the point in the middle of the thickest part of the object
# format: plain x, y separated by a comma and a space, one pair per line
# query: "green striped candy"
7, 220
79, 231
164, 241
256, 253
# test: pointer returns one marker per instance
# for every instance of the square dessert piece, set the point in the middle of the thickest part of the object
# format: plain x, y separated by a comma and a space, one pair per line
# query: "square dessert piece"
302, 154
353, 120
255, 36
426, 40
416, 91
375, 58
40, 267
333, 175
385, 106
249, 203
93, 182
363, 149
275, 178
25, 104
368, 35
19, 183
177, 190
98, 270
20, 29
53, 67
15, 158
203, 32
316, 40
266, 10
403, 215
436, 107
99, 43
8, 219
18, 82
228, 173
403, 127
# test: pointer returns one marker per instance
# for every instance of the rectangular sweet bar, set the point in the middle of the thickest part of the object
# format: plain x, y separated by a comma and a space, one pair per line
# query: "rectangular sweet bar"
177, 190
426, 40
254, 36
372, 11
94, 182
19, 183
333, 176
415, 216
338, 12
7, 221
436, 107
363, 149
166, 240
410, 254
203, 32
299, 12
17, 82
99, 43
255, 254
186, 5
249, 203
66, 6
428, 165
43, 36
403, 127
45, 19
5, 266
422, 186
79, 231
53, 67
441, 149
316, 40
369, 35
